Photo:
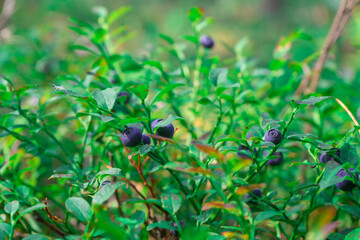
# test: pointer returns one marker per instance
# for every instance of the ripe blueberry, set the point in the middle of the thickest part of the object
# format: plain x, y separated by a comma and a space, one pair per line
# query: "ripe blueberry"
346, 185
146, 139
325, 157
275, 161
127, 97
174, 232
206, 41
242, 155
256, 194
167, 131
131, 137
274, 136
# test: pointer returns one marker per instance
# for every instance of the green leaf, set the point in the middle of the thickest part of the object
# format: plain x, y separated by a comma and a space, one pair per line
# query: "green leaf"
312, 100
162, 92
291, 185
116, 172
79, 31
137, 218
114, 15
215, 236
144, 149
63, 176
23, 191
329, 178
355, 211
99, 35
79, 207
195, 14
167, 38
354, 234
35, 237
141, 91
105, 98
192, 39
82, 24
132, 120
5, 230
166, 122
349, 154
154, 64
205, 101
11, 207
31, 209
171, 200
112, 230
265, 215
105, 192
218, 75
138, 200
83, 48
160, 224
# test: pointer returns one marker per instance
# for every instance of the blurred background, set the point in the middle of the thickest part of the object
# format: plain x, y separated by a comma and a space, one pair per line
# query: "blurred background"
35, 38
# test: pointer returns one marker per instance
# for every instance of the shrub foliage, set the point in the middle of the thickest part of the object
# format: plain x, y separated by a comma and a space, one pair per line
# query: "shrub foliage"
70, 170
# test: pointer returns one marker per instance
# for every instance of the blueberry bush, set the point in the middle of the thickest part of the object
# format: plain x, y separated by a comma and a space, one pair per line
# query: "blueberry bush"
177, 144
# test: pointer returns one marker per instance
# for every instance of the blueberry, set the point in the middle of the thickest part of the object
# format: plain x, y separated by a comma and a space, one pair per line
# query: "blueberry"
131, 137
274, 136
146, 139
167, 131
275, 161
242, 155
127, 97
256, 193
346, 185
174, 232
325, 157
206, 41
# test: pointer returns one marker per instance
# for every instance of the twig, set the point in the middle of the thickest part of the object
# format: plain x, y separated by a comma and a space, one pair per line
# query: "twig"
342, 17
7, 11
118, 200
137, 167
348, 111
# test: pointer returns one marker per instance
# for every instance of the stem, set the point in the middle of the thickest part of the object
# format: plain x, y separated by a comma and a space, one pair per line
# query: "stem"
92, 216
177, 179
148, 114
217, 122
249, 177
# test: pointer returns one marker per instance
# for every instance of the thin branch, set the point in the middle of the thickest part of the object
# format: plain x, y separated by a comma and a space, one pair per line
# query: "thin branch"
348, 111
7, 11
337, 28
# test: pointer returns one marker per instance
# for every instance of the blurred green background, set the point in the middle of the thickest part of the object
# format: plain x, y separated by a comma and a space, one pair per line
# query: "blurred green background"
34, 42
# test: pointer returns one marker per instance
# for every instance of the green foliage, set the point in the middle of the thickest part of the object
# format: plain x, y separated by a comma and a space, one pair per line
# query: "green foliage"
62, 159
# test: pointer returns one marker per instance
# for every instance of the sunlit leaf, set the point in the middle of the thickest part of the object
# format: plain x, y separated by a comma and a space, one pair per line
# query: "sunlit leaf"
209, 150
321, 216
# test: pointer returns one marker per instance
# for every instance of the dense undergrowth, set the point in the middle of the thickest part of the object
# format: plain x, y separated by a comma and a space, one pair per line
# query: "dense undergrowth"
76, 162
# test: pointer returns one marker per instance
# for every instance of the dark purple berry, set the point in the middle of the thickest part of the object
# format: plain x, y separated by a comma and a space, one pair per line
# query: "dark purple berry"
243, 155
255, 194
167, 131
124, 99
346, 185
104, 183
274, 136
206, 41
274, 161
146, 139
174, 232
131, 137
325, 157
